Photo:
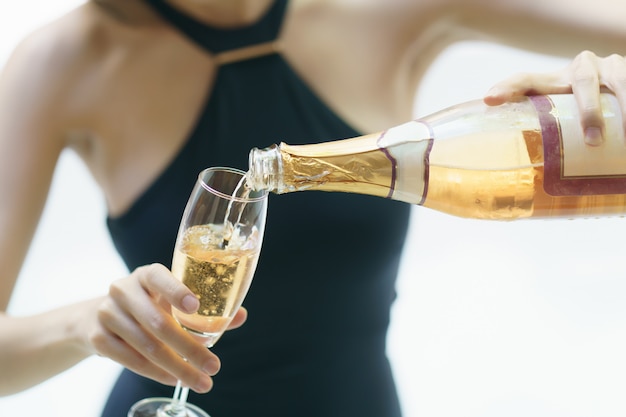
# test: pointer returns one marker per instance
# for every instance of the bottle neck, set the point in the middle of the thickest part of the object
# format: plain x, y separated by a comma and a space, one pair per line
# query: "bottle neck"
265, 169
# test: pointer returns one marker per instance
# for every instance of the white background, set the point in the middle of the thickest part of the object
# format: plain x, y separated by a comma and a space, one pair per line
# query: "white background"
493, 319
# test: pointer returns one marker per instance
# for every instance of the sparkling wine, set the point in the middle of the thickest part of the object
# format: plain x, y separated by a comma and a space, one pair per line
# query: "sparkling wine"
217, 263
525, 159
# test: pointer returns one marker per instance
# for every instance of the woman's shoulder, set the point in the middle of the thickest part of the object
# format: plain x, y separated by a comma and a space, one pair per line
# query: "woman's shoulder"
63, 65
60, 44
87, 32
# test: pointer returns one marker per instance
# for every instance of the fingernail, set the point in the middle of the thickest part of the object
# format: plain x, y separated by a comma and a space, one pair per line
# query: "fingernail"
204, 385
593, 136
211, 367
190, 304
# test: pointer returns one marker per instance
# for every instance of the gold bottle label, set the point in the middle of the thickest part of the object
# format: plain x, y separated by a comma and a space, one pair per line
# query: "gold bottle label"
573, 168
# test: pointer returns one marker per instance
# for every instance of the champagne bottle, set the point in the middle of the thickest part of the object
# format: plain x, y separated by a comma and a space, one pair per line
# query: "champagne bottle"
523, 159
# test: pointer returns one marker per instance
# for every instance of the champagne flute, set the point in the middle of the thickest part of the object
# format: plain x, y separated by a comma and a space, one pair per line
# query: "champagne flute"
216, 253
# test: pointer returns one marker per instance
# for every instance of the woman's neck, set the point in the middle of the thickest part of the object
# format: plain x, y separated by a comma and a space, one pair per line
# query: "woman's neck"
223, 13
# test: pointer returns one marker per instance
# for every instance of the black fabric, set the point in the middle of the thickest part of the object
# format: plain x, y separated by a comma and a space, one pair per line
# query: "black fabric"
220, 40
314, 342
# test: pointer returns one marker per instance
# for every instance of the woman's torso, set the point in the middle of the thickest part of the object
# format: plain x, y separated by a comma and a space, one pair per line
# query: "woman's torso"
319, 304
143, 82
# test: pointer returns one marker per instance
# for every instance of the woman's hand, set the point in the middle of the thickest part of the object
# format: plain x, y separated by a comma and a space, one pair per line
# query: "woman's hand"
134, 326
586, 76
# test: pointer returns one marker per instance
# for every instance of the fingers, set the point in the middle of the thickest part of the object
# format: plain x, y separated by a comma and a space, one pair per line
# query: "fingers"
615, 80
137, 331
586, 77
135, 327
107, 342
155, 356
590, 75
239, 319
158, 280
526, 84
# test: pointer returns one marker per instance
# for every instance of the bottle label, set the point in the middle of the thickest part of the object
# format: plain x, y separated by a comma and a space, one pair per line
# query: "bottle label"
571, 167
407, 146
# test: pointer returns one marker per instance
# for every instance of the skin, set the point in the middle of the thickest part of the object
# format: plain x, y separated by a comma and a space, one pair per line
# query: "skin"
99, 81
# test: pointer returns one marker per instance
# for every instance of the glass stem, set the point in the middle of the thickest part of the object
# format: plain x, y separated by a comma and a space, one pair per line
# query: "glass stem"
178, 406
180, 394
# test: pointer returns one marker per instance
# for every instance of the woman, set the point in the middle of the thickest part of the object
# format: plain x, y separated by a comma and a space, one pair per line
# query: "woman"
148, 92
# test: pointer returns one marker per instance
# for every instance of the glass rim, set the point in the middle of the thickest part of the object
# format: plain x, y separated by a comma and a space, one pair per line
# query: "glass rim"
202, 182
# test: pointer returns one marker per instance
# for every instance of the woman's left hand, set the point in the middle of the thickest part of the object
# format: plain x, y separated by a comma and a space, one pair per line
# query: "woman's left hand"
586, 77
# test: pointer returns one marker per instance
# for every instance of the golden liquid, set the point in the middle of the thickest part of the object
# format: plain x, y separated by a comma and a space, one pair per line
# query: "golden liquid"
495, 175
220, 277
503, 193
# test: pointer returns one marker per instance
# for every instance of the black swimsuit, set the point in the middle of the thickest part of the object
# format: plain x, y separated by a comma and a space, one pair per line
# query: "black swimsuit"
314, 342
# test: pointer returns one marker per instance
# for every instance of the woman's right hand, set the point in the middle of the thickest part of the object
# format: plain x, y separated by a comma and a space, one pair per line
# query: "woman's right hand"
133, 325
